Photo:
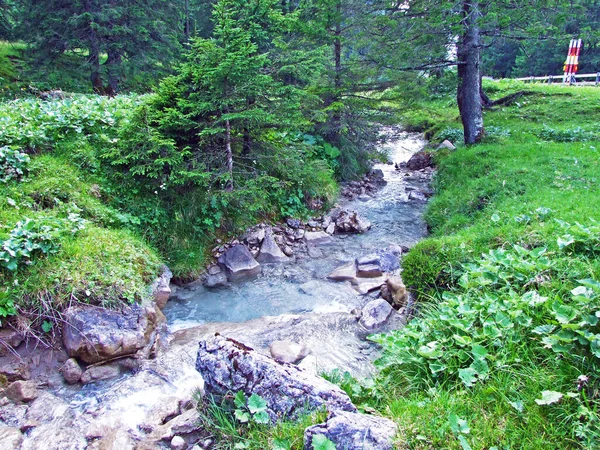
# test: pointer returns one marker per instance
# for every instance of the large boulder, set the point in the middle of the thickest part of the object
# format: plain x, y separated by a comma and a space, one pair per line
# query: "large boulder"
270, 252
239, 263
317, 238
230, 366
353, 431
420, 160
376, 264
347, 221
161, 289
96, 334
375, 314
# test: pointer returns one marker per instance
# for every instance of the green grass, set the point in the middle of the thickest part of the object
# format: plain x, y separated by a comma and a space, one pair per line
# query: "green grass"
538, 166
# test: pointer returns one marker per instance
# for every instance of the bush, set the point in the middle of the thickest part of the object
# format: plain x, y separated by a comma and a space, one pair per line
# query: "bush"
434, 264
13, 164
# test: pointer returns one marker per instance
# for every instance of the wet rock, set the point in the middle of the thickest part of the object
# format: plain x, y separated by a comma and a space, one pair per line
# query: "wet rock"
162, 412
317, 237
9, 340
255, 237
12, 414
14, 368
270, 252
161, 289
48, 408
397, 291
446, 145
417, 196
376, 264
364, 198
353, 431
71, 371
97, 334
58, 435
99, 373
215, 281
375, 314
185, 425
298, 234
347, 221
420, 160
239, 263
365, 285
288, 352
178, 443
314, 252
330, 228
22, 391
10, 438
293, 223
229, 366
288, 251
376, 174
214, 270
347, 272
114, 439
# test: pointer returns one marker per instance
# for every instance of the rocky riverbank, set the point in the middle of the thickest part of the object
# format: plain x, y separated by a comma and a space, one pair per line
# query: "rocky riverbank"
89, 400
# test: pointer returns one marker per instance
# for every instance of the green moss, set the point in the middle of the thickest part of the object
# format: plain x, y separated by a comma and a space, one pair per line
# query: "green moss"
99, 266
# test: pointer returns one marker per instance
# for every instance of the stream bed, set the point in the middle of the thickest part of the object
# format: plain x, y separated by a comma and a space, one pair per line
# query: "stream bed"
294, 302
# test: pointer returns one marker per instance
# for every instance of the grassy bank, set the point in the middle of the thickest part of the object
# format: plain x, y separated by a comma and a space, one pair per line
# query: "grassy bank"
505, 350
87, 216
504, 353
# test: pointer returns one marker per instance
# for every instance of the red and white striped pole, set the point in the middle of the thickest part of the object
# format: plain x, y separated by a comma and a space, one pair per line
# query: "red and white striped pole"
572, 62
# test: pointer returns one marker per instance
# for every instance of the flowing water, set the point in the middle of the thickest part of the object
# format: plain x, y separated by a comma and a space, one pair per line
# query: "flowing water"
302, 287
286, 302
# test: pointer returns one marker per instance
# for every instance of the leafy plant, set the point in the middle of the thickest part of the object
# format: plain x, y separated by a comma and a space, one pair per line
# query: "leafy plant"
30, 237
321, 442
253, 409
13, 164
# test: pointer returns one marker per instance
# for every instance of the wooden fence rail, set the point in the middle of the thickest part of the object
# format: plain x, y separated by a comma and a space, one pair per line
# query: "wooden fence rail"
595, 79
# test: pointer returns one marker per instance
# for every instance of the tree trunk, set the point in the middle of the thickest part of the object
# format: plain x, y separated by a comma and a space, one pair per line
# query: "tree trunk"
114, 68
469, 76
336, 119
229, 154
94, 48
187, 20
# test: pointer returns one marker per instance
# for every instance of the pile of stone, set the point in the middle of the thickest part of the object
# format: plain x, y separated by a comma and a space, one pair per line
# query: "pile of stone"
365, 188
241, 258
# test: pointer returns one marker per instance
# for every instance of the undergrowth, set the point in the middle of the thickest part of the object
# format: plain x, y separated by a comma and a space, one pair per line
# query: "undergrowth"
504, 351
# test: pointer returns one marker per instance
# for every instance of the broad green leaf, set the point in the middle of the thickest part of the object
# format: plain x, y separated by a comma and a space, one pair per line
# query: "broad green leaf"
261, 417
320, 442
430, 350
468, 376
463, 443
256, 404
549, 398
242, 416
563, 313
480, 366
282, 444
240, 400
543, 329
479, 351
518, 405
458, 425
